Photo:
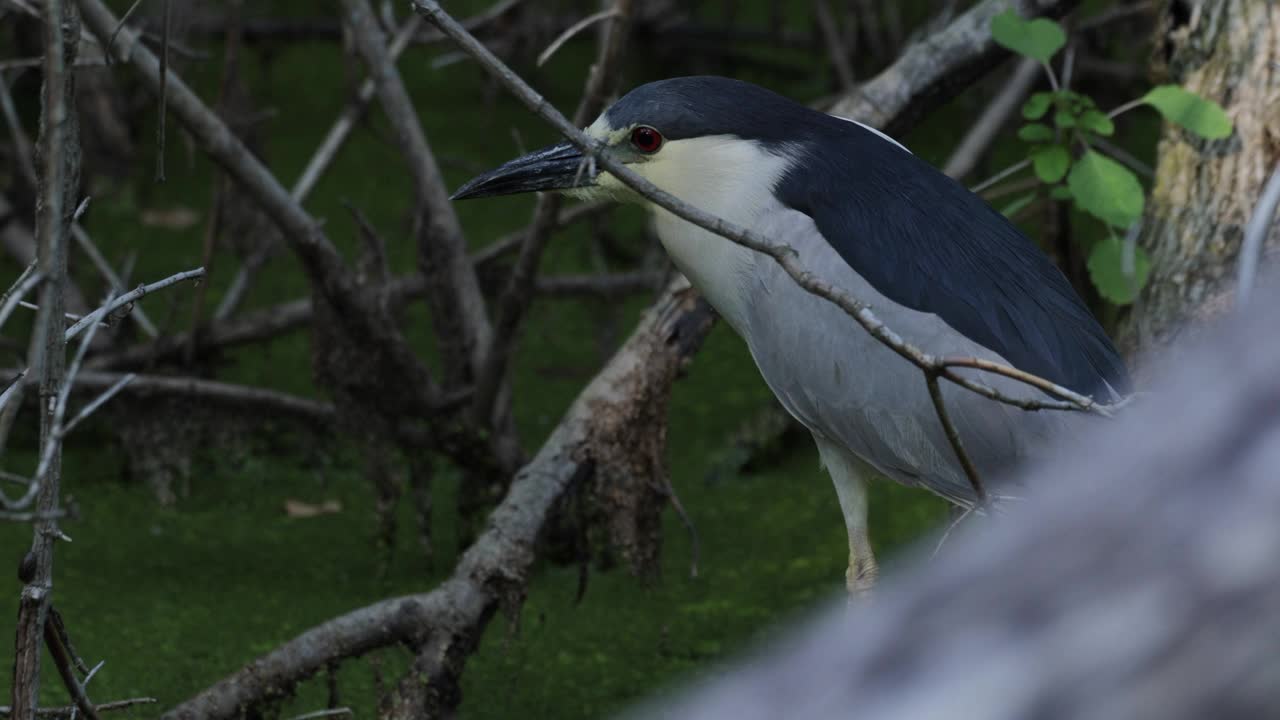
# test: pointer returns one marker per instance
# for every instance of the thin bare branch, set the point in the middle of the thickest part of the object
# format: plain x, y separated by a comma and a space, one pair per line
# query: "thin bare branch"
99, 401
21, 143
113, 280
1255, 235
67, 713
65, 665
124, 19
261, 400
164, 94
129, 298
1005, 173
993, 119
350, 117
12, 389
953, 437
27, 281
511, 242
330, 713
573, 30
836, 51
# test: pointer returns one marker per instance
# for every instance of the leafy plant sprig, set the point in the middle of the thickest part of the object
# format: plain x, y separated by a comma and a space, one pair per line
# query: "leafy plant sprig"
1062, 129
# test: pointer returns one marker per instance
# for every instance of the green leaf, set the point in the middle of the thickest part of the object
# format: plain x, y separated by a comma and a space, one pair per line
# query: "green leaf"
1013, 207
1060, 192
1106, 268
1038, 39
1064, 119
1051, 163
1037, 105
1106, 189
1182, 107
1096, 122
1035, 132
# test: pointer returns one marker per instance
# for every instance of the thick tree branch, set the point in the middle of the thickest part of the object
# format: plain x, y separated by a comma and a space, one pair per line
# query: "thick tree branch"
935, 68
494, 571
59, 160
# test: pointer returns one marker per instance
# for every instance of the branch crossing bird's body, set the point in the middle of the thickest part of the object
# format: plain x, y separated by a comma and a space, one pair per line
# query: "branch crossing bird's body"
936, 264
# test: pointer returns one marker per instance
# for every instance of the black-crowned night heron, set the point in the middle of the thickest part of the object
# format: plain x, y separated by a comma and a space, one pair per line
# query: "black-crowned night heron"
936, 264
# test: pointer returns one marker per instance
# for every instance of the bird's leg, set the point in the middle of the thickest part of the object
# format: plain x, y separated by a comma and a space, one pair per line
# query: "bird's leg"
849, 474
863, 571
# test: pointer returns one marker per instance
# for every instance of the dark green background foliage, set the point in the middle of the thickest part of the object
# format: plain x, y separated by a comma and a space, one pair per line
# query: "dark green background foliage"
177, 597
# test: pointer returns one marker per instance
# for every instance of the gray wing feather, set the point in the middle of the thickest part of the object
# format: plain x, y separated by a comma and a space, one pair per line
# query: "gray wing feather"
844, 385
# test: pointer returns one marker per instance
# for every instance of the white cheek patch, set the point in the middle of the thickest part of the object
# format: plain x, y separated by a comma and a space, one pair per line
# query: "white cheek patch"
603, 132
877, 132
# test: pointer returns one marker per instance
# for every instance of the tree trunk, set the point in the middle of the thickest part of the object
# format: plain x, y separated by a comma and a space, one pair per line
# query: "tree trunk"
1204, 191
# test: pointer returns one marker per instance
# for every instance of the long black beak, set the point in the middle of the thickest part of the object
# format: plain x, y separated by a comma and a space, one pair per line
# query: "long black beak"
558, 167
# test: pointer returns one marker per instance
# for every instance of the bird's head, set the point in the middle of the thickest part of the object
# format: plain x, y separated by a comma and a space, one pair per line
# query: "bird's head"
691, 136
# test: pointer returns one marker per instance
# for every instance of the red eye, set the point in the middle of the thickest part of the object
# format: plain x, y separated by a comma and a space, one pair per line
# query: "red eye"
646, 139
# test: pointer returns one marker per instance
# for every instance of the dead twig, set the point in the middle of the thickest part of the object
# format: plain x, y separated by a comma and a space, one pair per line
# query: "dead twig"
64, 663
953, 438
25, 283
67, 713
164, 94
573, 30
129, 298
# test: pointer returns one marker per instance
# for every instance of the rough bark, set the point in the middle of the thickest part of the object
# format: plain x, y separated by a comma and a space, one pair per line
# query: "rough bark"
1204, 191
1139, 580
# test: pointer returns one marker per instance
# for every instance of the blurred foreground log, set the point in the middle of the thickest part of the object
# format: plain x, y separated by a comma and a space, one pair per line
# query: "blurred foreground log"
1139, 581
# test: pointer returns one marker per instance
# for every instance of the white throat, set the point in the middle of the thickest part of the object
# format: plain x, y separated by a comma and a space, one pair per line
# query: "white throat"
728, 177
